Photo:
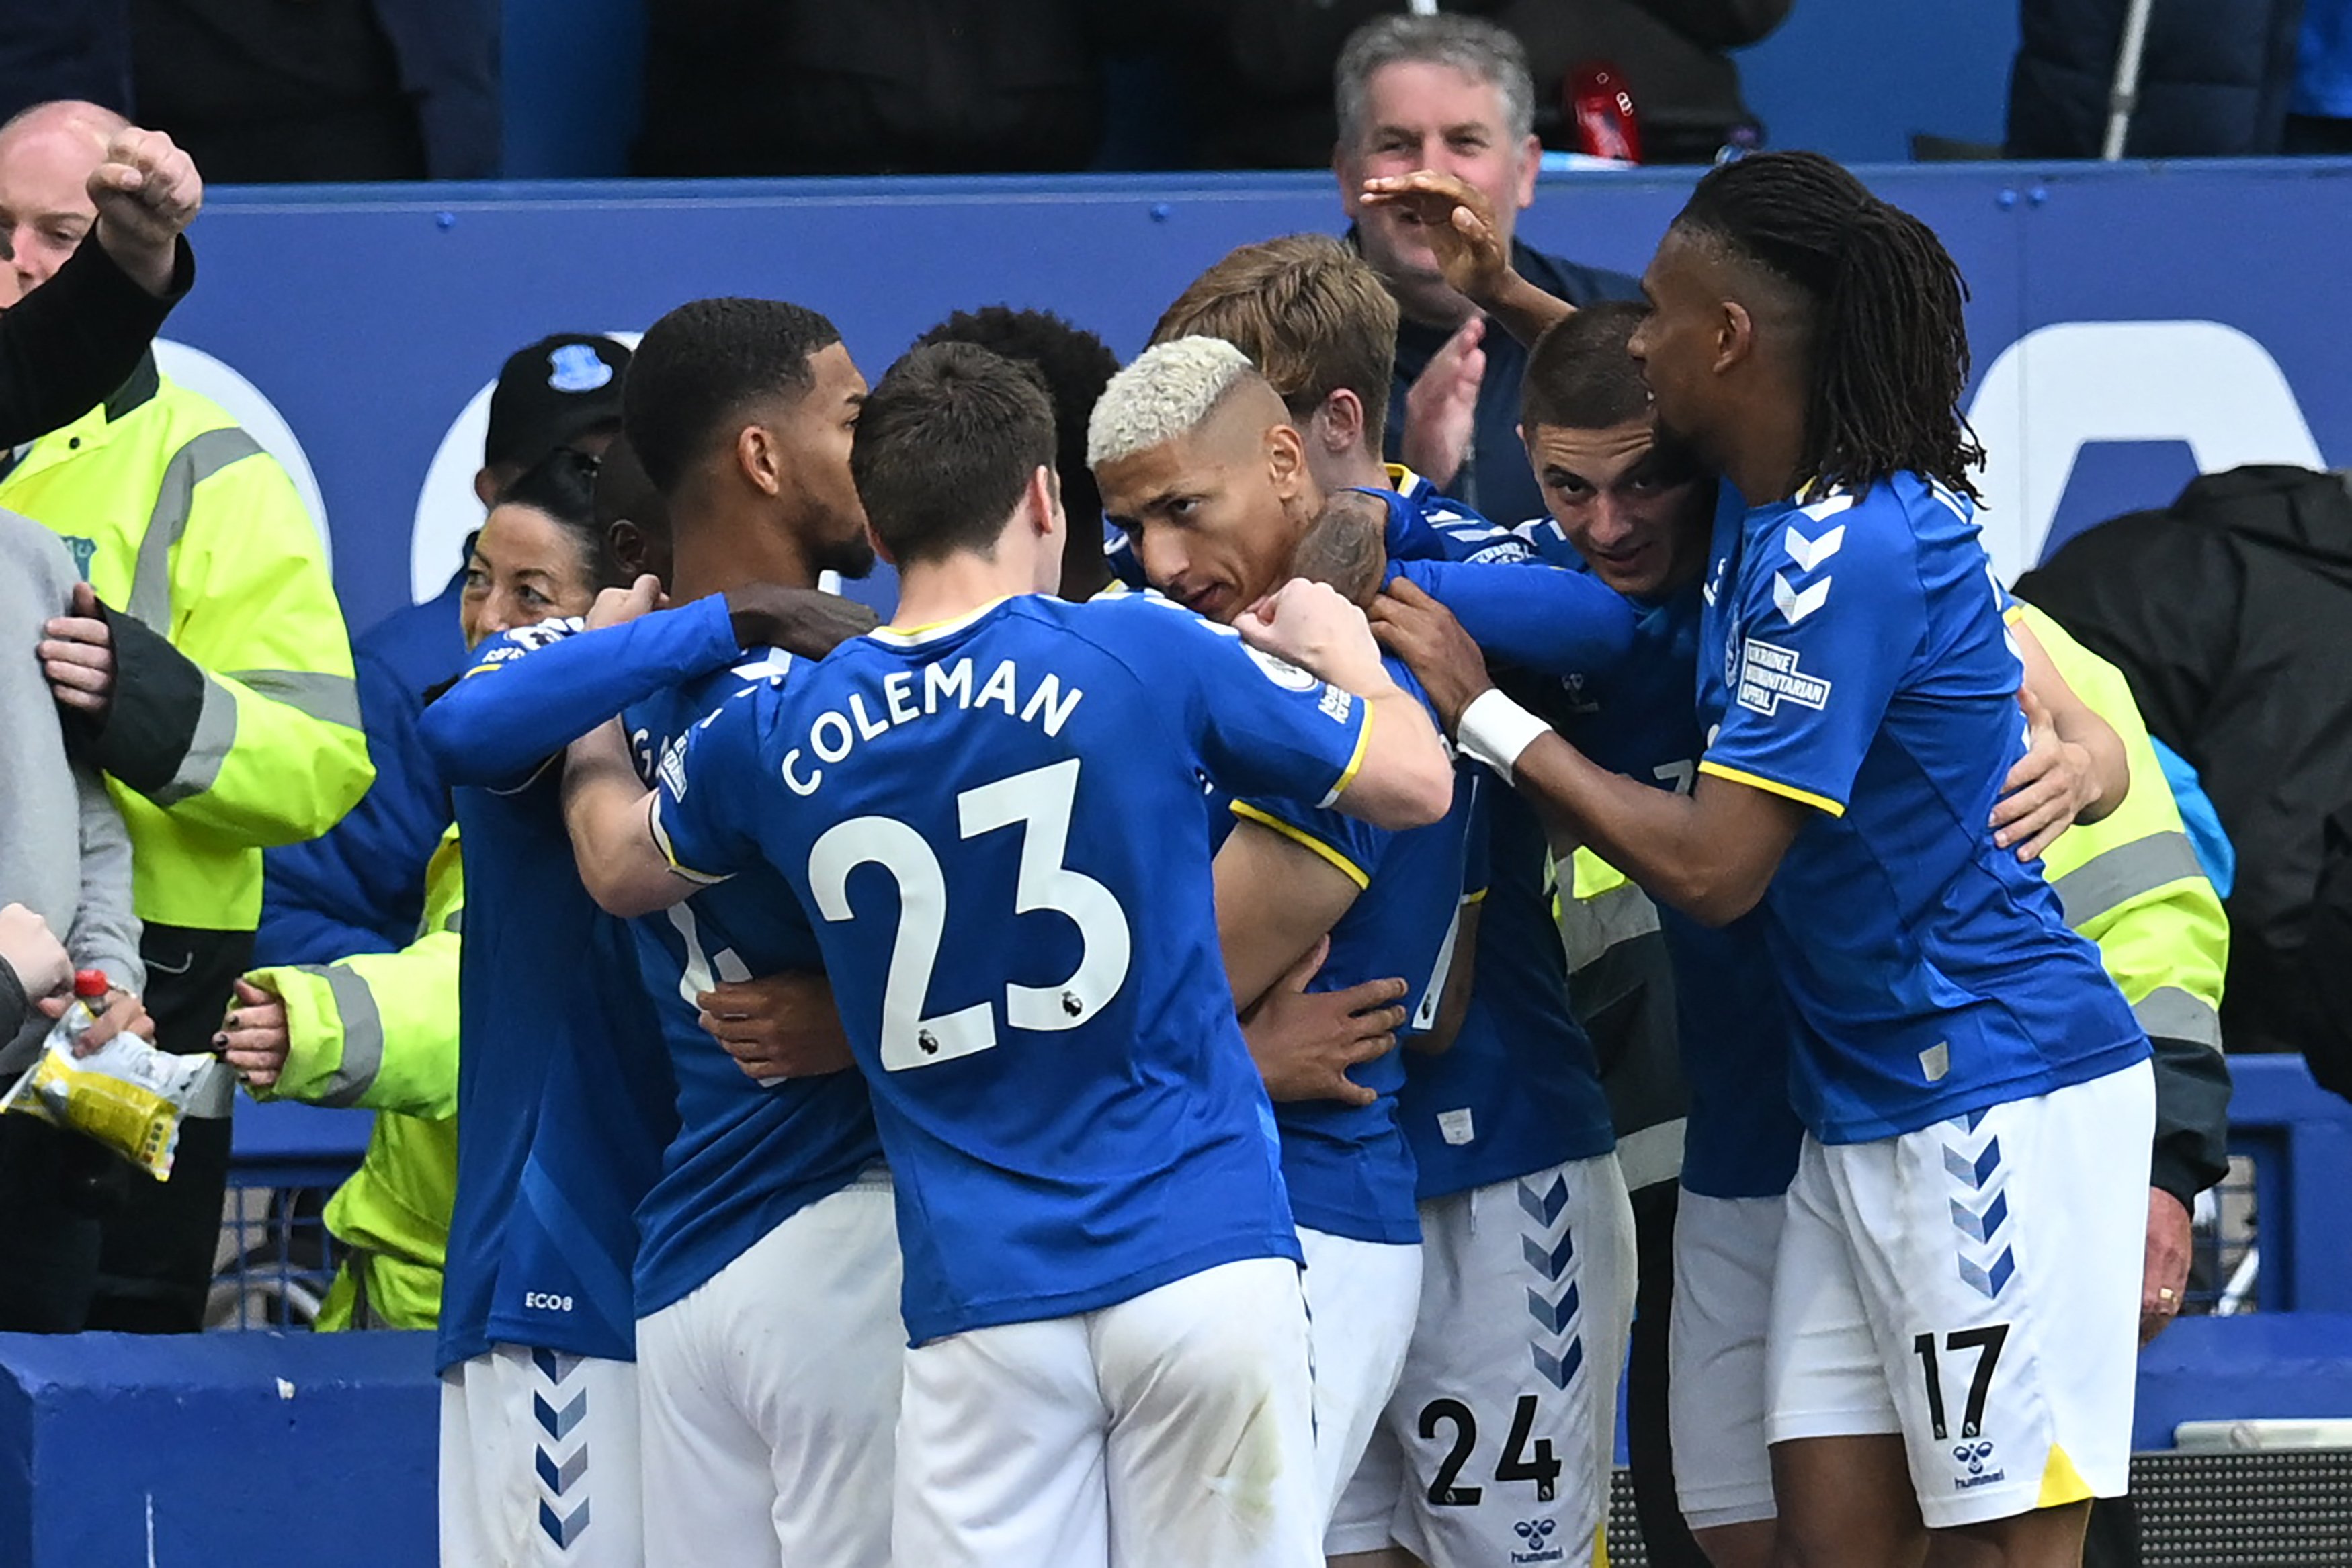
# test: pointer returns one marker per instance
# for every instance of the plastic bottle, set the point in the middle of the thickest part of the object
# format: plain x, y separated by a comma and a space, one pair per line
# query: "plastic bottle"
90, 987
126, 1094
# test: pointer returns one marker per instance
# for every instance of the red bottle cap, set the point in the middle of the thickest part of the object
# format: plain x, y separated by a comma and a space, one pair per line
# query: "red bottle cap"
92, 985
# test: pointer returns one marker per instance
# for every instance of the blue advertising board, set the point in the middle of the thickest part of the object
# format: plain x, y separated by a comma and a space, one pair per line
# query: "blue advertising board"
2132, 323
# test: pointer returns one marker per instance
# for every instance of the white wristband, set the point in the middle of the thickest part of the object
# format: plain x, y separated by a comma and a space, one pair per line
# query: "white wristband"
1495, 730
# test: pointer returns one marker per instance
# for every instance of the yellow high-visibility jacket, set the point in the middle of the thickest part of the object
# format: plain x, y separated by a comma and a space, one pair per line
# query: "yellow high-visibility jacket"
379, 1031
185, 526
2131, 883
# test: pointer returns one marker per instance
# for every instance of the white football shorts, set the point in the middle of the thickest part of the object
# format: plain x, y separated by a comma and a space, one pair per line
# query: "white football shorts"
538, 1462
1974, 1286
1173, 1430
1498, 1445
770, 1396
1362, 1299
1724, 1252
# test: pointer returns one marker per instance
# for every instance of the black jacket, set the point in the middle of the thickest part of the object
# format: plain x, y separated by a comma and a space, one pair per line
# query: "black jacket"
2230, 613
2214, 79
74, 340
1496, 480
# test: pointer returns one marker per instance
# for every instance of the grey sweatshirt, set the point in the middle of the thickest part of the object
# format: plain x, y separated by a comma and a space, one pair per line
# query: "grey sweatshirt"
63, 851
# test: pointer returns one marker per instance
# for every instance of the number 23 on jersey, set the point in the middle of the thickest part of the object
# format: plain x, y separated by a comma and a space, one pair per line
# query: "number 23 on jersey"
1039, 802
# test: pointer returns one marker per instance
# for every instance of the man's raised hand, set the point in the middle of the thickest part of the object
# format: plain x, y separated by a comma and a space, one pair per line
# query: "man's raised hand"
147, 191
1463, 234
1441, 407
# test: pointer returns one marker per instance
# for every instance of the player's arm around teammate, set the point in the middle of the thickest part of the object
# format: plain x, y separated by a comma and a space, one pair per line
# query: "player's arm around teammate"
1709, 854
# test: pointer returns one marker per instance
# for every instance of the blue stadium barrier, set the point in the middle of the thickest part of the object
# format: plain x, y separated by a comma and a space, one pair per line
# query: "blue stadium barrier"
217, 1451
2300, 1138
2262, 1367
292, 1145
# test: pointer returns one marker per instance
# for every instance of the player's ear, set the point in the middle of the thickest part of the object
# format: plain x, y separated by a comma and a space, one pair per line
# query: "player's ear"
1341, 419
1044, 500
1734, 336
1286, 458
760, 459
627, 543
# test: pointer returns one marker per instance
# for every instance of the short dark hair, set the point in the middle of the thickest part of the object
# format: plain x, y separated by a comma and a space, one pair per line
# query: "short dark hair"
562, 485
1889, 344
945, 446
1579, 375
1076, 364
701, 366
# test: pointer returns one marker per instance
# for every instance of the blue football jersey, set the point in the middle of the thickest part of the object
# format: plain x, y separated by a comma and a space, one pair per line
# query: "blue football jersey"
1348, 1168
564, 1100
1852, 657
746, 1156
1635, 715
1742, 1136
1025, 958
1519, 1090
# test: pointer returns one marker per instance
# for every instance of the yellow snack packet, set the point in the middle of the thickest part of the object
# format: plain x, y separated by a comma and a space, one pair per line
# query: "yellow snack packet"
126, 1094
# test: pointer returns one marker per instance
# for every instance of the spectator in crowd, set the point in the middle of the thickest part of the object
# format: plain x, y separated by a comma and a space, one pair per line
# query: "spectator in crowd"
1451, 93
885, 86
1076, 366
2225, 612
2215, 80
361, 887
65, 872
209, 676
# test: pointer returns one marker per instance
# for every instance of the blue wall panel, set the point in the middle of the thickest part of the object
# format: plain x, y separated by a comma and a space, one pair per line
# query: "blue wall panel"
121, 1451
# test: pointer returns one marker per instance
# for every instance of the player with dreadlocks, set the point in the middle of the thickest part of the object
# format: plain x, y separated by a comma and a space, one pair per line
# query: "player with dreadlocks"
1955, 1298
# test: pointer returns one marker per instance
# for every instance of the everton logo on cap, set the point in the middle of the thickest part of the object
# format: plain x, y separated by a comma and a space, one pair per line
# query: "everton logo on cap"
575, 368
